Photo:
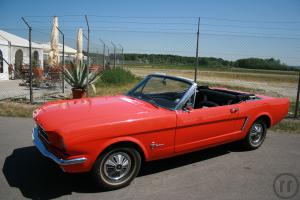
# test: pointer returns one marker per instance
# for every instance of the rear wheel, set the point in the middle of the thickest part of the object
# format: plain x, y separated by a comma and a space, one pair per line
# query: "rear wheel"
117, 167
256, 135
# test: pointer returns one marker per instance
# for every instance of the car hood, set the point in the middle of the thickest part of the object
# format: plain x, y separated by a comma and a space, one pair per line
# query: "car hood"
101, 110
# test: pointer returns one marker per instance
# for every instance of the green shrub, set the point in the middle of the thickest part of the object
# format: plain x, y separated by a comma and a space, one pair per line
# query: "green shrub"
117, 76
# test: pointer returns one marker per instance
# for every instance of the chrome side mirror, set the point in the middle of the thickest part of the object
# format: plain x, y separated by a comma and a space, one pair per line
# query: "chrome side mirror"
187, 108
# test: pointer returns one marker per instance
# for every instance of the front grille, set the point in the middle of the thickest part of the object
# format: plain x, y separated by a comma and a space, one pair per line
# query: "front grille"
43, 135
45, 139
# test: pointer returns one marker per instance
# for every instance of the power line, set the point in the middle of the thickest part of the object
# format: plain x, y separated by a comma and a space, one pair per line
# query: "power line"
138, 31
215, 34
116, 16
171, 17
66, 37
253, 33
45, 16
251, 36
251, 21
178, 31
172, 23
254, 27
12, 28
123, 22
144, 17
45, 27
167, 30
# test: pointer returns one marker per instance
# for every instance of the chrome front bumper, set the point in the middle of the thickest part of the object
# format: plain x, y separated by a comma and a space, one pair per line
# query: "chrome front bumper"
41, 147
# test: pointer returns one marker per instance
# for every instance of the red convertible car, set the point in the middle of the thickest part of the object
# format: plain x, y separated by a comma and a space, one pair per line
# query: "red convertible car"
162, 116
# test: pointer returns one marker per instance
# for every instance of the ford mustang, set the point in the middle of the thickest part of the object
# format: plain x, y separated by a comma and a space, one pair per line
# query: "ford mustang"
162, 116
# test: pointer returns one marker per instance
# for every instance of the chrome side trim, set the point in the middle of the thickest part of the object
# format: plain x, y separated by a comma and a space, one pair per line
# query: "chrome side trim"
41, 147
245, 123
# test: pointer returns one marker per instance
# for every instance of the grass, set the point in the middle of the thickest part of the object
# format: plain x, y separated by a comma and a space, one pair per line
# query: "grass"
22, 109
104, 89
287, 126
113, 82
232, 74
214, 68
235, 87
293, 107
14, 109
119, 81
253, 77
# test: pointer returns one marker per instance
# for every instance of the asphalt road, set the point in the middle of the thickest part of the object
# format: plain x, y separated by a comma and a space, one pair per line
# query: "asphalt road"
218, 173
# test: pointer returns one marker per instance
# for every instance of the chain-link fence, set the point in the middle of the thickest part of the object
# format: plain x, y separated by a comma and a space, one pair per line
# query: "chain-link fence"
228, 49
47, 79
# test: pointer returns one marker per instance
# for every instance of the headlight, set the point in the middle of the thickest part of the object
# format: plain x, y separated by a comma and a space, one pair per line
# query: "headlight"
57, 141
61, 144
35, 113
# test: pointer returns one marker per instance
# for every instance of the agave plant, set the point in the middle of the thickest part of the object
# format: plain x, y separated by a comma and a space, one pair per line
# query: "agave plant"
76, 76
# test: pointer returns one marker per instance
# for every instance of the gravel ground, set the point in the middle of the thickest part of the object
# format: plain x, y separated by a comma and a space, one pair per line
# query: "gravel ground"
274, 88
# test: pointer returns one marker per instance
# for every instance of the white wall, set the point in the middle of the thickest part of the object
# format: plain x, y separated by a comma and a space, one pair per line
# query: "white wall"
26, 54
9, 55
5, 53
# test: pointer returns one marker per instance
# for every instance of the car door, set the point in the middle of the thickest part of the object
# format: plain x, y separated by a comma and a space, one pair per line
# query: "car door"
198, 128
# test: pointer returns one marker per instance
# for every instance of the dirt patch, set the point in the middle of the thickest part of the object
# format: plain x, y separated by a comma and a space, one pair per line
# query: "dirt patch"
273, 84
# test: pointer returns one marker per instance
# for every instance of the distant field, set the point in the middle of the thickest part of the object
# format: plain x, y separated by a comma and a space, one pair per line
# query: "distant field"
270, 82
205, 68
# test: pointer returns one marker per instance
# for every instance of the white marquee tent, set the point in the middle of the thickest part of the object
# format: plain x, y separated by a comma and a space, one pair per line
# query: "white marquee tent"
15, 51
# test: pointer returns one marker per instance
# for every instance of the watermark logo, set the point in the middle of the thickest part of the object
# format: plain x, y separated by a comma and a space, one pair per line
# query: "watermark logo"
286, 186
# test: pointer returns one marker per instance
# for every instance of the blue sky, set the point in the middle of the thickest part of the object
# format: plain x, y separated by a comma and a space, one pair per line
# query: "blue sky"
229, 29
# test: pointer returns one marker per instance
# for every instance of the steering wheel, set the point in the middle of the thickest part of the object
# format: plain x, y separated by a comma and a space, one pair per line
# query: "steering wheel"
206, 103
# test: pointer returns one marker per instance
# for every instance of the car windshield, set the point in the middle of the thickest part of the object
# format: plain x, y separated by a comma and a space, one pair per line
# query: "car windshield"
161, 91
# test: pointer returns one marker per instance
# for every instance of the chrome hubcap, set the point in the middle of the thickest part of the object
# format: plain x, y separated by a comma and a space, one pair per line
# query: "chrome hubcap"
117, 165
256, 134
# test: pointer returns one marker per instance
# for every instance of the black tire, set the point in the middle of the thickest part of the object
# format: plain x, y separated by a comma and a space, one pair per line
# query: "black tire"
103, 170
252, 141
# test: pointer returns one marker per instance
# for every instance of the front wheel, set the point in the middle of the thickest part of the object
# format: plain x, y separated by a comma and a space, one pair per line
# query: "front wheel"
256, 135
117, 167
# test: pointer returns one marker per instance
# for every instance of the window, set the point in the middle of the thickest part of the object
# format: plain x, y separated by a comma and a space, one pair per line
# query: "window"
161, 91
1, 62
36, 59
163, 85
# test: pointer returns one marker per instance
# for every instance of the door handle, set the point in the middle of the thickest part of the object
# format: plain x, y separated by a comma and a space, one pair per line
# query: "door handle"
234, 110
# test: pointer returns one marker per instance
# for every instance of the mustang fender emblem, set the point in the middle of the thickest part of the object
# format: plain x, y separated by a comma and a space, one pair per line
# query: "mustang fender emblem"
154, 145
